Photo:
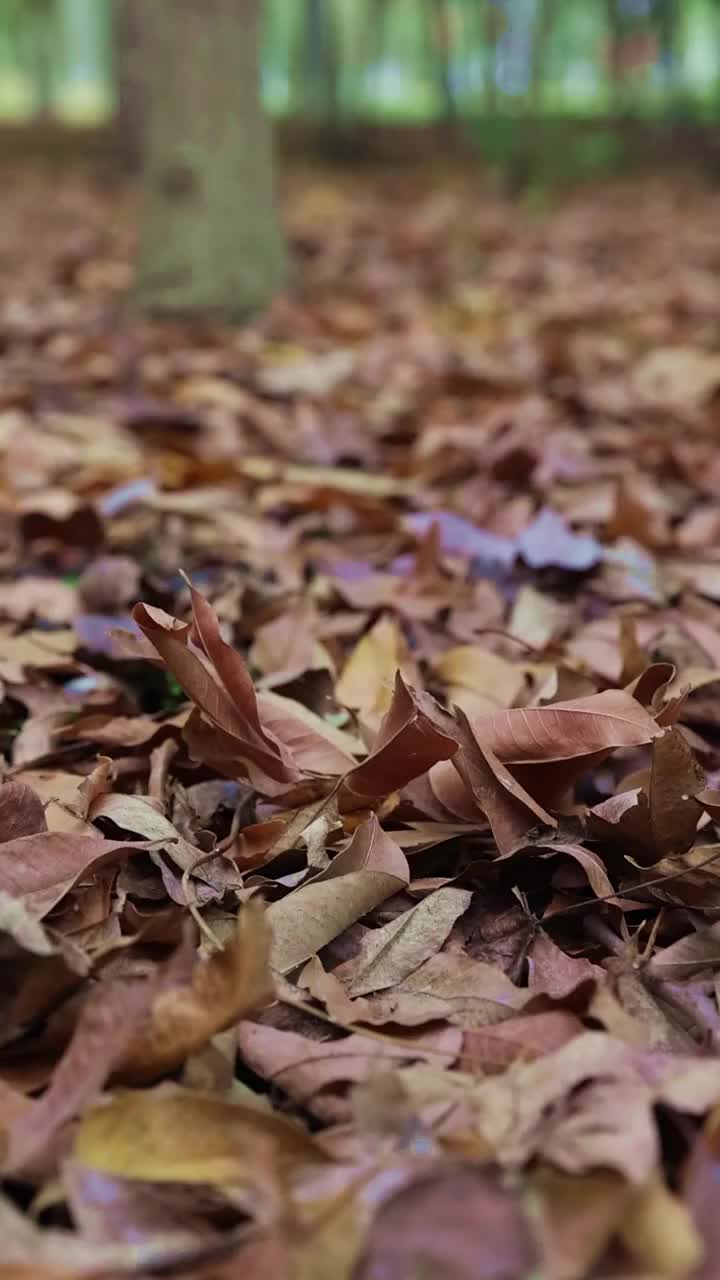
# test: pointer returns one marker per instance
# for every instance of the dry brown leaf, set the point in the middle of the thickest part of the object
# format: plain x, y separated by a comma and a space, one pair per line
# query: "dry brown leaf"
565, 730
662, 820
366, 872
414, 735
21, 811
540, 1107
112, 1210
224, 987
230, 707
137, 1031
454, 1222
523, 1038
536, 618
316, 1073
450, 986
509, 808
390, 954
691, 954
579, 1216
554, 972
41, 869
315, 746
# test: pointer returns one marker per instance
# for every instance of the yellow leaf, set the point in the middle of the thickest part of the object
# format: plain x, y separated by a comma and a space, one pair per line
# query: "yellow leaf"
183, 1136
659, 1231
368, 677
478, 680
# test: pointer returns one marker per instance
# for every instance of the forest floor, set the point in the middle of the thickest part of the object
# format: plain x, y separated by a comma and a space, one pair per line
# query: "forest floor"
360, 906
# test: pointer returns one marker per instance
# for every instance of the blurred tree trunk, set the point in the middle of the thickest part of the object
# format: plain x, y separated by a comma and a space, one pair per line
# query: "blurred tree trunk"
127, 31
210, 240
318, 62
41, 19
544, 26
372, 42
491, 24
441, 50
615, 33
667, 17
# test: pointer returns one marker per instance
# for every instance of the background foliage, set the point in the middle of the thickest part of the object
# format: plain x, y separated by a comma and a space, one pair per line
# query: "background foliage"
403, 60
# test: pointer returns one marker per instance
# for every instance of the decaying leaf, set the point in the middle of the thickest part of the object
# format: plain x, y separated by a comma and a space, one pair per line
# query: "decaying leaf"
178, 1135
658, 1229
413, 736
509, 808
565, 730
223, 987
317, 1074
390, 954
365, 873
138, 1031
367, 679
455, 1222
41, 869
662, 819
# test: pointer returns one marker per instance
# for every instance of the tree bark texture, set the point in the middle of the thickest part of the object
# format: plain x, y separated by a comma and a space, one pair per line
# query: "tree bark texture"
210, 241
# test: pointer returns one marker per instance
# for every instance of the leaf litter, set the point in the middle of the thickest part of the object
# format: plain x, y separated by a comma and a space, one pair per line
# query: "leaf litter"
360, 732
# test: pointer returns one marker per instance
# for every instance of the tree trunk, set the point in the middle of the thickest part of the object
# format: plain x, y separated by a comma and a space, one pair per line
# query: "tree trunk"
615, 31
489, 15
543, 30
41, 19
210, 240
441, 44
129, 106
667, 17
317, 63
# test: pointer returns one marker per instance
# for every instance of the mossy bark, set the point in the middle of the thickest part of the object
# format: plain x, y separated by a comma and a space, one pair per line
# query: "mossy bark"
210, 241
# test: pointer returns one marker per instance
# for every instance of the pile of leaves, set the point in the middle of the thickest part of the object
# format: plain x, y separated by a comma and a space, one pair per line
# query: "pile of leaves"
359, 862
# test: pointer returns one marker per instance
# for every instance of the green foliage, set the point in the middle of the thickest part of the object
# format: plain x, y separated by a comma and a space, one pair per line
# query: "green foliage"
415, 60
175, 695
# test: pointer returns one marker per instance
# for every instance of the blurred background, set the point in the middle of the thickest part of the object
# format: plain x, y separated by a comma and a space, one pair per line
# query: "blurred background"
384, 75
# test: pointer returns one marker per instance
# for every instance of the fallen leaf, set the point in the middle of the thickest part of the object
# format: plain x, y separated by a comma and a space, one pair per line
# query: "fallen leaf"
366, 872
478, 680
414, 735
536, 618
566, 730
137, 1031
21, 812
316, 1073
224, 987
662, 820
509, 808
231, 708
579, 1216
367, 680
182, 1136
658, 1230
453, 1222
113, 1210
41, 869
389, 954
460, 537
691, 954
522, 1038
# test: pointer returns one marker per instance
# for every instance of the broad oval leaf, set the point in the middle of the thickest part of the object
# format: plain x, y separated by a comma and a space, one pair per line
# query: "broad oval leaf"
566, 730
